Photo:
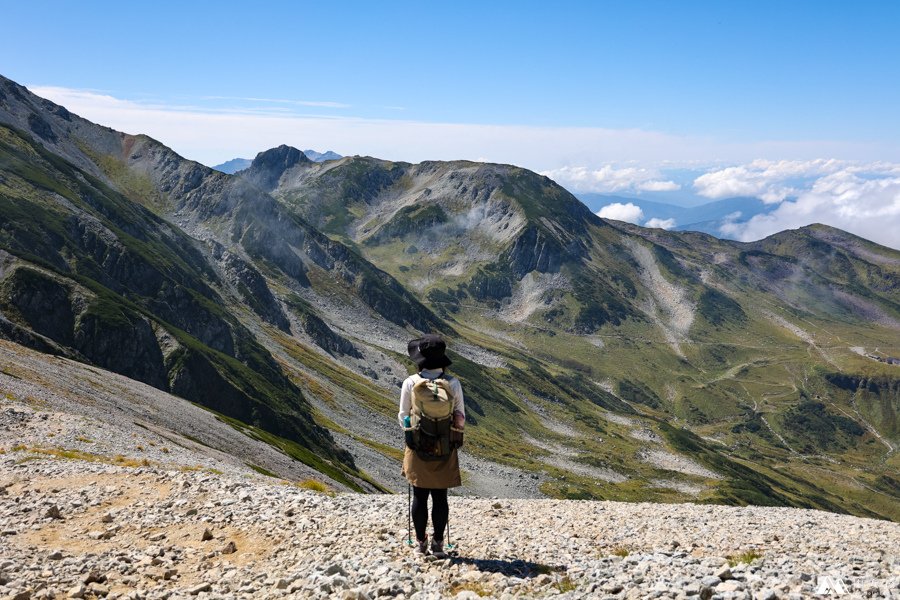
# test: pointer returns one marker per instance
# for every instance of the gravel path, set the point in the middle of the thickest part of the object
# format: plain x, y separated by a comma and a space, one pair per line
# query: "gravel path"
75, 529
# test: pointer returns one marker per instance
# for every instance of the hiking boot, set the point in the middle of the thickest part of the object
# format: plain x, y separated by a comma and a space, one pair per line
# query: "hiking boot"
422, 546
437, 548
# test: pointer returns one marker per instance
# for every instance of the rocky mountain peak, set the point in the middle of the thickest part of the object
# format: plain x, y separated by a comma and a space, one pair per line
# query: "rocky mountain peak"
269, 165
283, 156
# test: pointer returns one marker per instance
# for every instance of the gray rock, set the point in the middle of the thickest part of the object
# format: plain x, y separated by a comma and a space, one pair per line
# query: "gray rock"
203, 587
335, 569
77, 592
93, 576
729, 586
723, 572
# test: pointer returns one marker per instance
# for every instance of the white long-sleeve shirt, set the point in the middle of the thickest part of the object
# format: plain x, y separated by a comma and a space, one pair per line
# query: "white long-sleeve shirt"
406, 393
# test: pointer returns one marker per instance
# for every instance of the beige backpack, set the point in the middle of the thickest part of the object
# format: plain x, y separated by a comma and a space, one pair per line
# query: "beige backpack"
431, 433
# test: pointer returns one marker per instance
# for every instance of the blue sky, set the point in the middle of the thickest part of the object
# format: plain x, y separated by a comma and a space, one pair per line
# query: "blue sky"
737, 70
593, 93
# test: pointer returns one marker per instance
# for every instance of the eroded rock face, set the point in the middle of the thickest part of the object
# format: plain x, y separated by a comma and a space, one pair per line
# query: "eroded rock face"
323, 335
252, 287
534, 250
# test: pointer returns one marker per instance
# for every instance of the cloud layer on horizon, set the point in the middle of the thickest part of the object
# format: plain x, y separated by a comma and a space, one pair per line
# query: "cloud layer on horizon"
609, 179
770, 181
861, 199
214, 134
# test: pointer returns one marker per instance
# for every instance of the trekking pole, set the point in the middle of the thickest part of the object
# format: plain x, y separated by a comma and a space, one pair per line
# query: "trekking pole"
409, 514
449, 545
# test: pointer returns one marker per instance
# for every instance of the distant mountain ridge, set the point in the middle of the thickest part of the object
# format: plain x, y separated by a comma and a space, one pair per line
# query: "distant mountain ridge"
599, 359
239, 164
321, 156
707, 218
233, 166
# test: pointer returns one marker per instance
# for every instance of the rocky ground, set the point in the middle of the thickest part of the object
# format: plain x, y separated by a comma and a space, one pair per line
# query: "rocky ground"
120, 494
83, 524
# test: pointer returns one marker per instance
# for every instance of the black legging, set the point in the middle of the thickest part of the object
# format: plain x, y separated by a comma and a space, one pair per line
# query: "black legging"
440, 511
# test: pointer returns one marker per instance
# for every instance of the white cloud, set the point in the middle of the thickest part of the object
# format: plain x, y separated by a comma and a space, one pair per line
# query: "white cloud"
771, 181
660, 223
864, 200
316, 103
629, 213
213, 135
609, 179
658, 186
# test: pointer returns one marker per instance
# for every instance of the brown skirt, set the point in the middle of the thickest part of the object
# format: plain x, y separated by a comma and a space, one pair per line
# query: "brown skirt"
431, 474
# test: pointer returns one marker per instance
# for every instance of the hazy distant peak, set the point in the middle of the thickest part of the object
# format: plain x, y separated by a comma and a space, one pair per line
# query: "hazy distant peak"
234, 165
321, 156
239, 164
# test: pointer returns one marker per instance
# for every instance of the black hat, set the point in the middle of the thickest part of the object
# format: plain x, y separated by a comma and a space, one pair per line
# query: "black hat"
428, 352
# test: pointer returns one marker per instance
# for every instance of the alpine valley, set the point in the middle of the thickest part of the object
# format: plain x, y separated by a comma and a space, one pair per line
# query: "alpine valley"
599, 359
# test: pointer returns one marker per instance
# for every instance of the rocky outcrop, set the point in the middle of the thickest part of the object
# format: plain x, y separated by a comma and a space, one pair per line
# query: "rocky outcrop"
40, 301
96, 328
420, 219
121, 342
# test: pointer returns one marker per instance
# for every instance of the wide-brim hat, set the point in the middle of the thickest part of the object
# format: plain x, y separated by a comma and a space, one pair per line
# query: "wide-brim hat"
429, 352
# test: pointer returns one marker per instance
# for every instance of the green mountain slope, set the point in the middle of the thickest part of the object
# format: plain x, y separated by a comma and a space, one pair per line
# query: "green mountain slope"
741, 344
599, 359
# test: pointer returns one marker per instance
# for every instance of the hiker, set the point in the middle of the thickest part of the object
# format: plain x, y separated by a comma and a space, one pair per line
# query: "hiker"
433, 417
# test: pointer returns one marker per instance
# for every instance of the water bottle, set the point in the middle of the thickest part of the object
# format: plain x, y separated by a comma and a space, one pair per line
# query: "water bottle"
406, 422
